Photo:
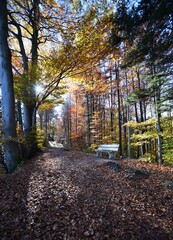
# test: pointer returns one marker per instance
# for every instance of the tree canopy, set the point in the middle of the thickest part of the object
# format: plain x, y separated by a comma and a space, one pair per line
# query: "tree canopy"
113, 62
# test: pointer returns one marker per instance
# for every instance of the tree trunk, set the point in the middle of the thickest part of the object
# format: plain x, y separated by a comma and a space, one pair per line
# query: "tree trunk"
136, 113
119, 113
88, 121
111, 109
143, 151
19, 116
158, 114
128, 115
159, 130
27, 119
8, 103
40, 113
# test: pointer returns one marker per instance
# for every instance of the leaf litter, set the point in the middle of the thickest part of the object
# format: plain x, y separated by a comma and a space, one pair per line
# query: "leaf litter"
73, 195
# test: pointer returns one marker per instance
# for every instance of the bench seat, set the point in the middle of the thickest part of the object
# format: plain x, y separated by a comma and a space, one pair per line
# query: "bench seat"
111, 149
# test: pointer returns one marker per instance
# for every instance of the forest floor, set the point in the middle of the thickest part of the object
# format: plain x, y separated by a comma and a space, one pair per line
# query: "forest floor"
72, 195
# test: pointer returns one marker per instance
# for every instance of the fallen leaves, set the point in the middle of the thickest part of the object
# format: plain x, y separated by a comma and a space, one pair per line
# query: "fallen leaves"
71, 195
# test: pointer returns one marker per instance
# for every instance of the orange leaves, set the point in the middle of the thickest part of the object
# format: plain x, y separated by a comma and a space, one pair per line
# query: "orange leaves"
74, 195
96, 85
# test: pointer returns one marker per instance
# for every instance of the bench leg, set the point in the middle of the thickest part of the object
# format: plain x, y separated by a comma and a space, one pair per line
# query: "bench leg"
98, 154
112, 155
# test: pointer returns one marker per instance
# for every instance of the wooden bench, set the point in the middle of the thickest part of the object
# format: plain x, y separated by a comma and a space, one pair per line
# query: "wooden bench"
111, 149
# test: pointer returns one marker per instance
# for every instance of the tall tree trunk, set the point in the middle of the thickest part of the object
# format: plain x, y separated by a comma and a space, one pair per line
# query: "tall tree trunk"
19, 116
27, 119
88, 120
41, 113
135, 104
143, 150
124, 120
119, 112
111, 109
30, 105
34, 52
128, 115
8, 103
159, 130
158, 114
136, 113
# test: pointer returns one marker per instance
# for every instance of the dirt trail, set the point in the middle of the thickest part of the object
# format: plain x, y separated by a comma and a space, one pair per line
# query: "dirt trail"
71, 195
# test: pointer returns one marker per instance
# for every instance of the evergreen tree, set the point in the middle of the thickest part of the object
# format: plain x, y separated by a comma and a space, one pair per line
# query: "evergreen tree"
147, 29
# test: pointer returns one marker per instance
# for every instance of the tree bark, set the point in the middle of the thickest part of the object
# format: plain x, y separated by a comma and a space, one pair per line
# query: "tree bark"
159, 129
28, 91
88, 121
136, 112
8, 103
19, 116
143, 150
128, 116
119, 113
111, 109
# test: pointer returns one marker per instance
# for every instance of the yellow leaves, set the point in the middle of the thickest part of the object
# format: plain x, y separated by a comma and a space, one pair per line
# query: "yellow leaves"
51, 2
91, 38
132, 124
46, 106
96, 86
145, 136
148, 123
143, 132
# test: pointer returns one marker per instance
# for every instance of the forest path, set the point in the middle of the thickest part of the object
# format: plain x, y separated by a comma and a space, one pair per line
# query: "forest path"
72, 195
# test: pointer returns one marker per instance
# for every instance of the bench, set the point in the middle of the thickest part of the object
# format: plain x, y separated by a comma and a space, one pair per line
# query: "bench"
111, 149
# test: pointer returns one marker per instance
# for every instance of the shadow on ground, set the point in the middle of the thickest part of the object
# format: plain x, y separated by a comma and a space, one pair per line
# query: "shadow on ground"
67, 195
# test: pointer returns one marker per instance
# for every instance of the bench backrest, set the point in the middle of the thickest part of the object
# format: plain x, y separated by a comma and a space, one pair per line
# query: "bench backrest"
113, 147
